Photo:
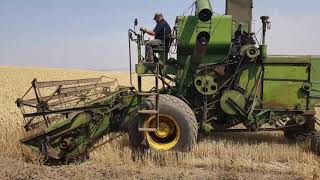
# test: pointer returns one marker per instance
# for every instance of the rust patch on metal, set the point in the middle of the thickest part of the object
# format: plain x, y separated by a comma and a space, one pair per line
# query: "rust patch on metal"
220, 70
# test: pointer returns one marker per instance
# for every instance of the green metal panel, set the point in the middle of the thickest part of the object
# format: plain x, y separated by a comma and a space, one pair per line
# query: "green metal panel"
315, 81
288, 59
284, 94
219, 28
286, 72
284, 77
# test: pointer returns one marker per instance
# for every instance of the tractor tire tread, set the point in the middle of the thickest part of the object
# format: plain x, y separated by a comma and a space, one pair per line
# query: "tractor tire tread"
315, 143
189, 119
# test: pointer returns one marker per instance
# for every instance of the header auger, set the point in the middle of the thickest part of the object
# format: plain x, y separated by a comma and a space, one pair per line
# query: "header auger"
212, 76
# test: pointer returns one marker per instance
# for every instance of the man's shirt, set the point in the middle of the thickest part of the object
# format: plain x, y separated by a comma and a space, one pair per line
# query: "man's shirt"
162, 30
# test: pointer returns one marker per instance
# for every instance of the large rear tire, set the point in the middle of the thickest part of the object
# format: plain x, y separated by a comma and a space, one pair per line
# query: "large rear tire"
178, 126
315, 143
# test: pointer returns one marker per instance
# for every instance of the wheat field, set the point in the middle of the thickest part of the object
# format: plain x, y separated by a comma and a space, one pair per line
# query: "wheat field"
219, 156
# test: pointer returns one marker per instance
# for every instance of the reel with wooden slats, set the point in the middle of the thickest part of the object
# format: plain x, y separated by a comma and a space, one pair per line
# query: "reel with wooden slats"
51, 101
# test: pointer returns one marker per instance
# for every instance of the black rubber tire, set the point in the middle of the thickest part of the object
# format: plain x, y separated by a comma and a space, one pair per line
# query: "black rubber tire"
296, 133
290, 133
174, 107
315, 143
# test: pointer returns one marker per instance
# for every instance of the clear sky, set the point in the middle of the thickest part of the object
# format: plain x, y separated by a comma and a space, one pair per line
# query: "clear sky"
93, 33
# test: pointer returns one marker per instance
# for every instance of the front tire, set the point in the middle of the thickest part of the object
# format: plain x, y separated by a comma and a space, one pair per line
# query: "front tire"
178, 128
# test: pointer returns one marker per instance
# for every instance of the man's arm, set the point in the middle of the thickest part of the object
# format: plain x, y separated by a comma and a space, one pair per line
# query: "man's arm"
150, 32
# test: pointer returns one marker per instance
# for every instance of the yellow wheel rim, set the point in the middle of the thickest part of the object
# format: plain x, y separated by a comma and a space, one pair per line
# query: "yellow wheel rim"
166, 136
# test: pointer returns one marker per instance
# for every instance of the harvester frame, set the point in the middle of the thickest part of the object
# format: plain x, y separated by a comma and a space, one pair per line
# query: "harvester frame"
221, 76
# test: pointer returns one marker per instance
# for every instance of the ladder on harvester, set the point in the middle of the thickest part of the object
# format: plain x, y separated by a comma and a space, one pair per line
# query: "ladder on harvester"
156, 94
161, 50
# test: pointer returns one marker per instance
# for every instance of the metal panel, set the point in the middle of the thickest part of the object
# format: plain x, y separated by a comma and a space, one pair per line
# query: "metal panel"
283, 82
219, 28
281, 72
284, 59
241, 11
315, 81
284, 94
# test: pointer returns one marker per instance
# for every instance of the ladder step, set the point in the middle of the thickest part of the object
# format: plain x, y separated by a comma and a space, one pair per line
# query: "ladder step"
153, 64
148, 112
148, 129
149, 63
147, 94
147, 75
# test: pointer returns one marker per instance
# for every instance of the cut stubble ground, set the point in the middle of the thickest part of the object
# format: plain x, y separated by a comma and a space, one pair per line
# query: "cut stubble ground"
219, 156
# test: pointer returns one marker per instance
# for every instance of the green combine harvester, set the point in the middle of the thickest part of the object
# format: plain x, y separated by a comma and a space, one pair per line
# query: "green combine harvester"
213, 76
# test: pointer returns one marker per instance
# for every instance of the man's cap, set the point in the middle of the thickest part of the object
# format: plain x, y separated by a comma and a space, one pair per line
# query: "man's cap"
157, 14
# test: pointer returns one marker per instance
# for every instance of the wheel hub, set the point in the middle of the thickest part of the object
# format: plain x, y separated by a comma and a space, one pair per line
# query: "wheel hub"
166, 136
163, 130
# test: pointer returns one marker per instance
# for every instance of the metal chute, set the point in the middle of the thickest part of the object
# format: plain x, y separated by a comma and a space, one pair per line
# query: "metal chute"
241, 11
204, 10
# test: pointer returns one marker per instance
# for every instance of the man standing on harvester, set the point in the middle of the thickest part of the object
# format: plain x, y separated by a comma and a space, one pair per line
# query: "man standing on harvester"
161, 35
